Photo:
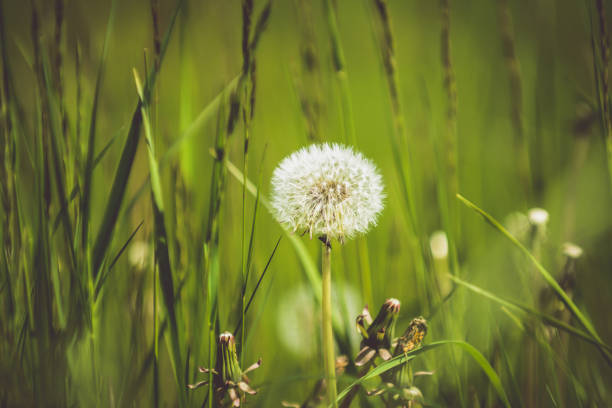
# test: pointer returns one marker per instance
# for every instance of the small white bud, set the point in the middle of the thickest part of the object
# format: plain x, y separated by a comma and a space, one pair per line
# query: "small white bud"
538, 216
139, 254
439, 245
572, 250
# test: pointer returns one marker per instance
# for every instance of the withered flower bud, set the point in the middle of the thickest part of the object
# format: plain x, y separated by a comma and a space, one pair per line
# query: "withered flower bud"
378, 335
229, 381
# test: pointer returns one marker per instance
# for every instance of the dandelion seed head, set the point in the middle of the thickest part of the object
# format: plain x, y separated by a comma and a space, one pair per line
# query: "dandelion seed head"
572, 251
327, 190
538, 216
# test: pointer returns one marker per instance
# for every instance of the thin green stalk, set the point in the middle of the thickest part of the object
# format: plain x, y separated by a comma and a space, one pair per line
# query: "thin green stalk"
341, 75
450, 140
328, 337
603, 81
516, 96
400, 147
247, 15
211, 245
155, 342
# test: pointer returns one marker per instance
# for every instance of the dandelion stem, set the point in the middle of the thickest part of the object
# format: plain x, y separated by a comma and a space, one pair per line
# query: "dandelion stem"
328, 339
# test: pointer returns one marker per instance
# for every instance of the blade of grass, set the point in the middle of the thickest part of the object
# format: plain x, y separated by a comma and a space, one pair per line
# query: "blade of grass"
569, 303
550, 320
162, 255
91, 144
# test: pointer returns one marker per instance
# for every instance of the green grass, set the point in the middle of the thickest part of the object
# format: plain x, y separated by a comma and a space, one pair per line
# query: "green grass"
137, 144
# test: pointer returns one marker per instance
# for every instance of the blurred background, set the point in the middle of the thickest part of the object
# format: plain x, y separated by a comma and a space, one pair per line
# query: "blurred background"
501, 101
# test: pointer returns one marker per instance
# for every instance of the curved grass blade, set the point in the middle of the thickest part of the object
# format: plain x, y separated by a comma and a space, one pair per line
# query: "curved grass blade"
550, 320
569, 303
401, 359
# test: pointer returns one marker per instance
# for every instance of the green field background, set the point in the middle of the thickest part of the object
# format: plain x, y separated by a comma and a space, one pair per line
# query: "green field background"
67, 350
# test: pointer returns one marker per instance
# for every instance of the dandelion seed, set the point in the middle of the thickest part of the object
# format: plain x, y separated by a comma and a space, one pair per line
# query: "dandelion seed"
327, 190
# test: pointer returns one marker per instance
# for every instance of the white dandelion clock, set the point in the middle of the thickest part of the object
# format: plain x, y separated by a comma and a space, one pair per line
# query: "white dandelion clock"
327, 190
